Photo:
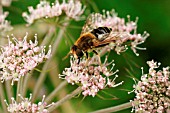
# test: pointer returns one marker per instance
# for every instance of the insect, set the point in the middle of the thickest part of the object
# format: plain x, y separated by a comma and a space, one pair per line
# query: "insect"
89, 41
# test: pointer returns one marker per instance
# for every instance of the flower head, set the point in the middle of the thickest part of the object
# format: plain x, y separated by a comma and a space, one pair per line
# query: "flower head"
4, 24
73, 9
91, 76
20, 57
121, 31
6, 2
153, 91
26, 106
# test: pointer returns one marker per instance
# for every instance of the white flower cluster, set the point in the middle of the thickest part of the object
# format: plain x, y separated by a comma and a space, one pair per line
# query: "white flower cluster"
121, 33
73, 9
26, 106
4, 24
92, 77
153, 91
19, 58
6, 2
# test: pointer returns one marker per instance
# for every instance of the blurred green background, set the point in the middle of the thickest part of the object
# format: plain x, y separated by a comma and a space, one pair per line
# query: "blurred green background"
154, 17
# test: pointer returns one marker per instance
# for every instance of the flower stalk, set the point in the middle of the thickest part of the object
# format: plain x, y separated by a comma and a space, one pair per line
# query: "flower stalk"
2, 98
25, 84
45, 67
66, 98
40, 80
19, 88
48, 36
115, 108
55, 91
9, 90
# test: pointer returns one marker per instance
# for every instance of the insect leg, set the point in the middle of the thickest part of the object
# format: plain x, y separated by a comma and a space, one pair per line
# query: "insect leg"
97, 56
78, 60
95, 52
87, 55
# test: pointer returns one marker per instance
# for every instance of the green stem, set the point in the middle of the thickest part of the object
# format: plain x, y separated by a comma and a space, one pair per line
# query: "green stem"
25, 84
45, 41
94, 6
66, 98
48, 36
2, 97
1, 110
53, 94
9, 90
45, 67
40, 80
1, 9
114, 109
19, 88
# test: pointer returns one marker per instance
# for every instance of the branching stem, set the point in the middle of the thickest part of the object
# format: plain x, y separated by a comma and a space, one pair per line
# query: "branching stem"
114, 109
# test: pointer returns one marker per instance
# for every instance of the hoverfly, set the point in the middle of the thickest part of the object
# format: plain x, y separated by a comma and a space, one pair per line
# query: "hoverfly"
89, 40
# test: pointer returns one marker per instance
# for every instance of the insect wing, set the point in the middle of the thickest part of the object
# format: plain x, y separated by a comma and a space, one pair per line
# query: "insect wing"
106, 41
89, 24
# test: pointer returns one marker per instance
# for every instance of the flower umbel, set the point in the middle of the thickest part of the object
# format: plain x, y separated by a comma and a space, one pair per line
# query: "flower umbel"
153, 91
20, 57
122, 31
4, 24
91, 76
26, 106
6, 2
73, 9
